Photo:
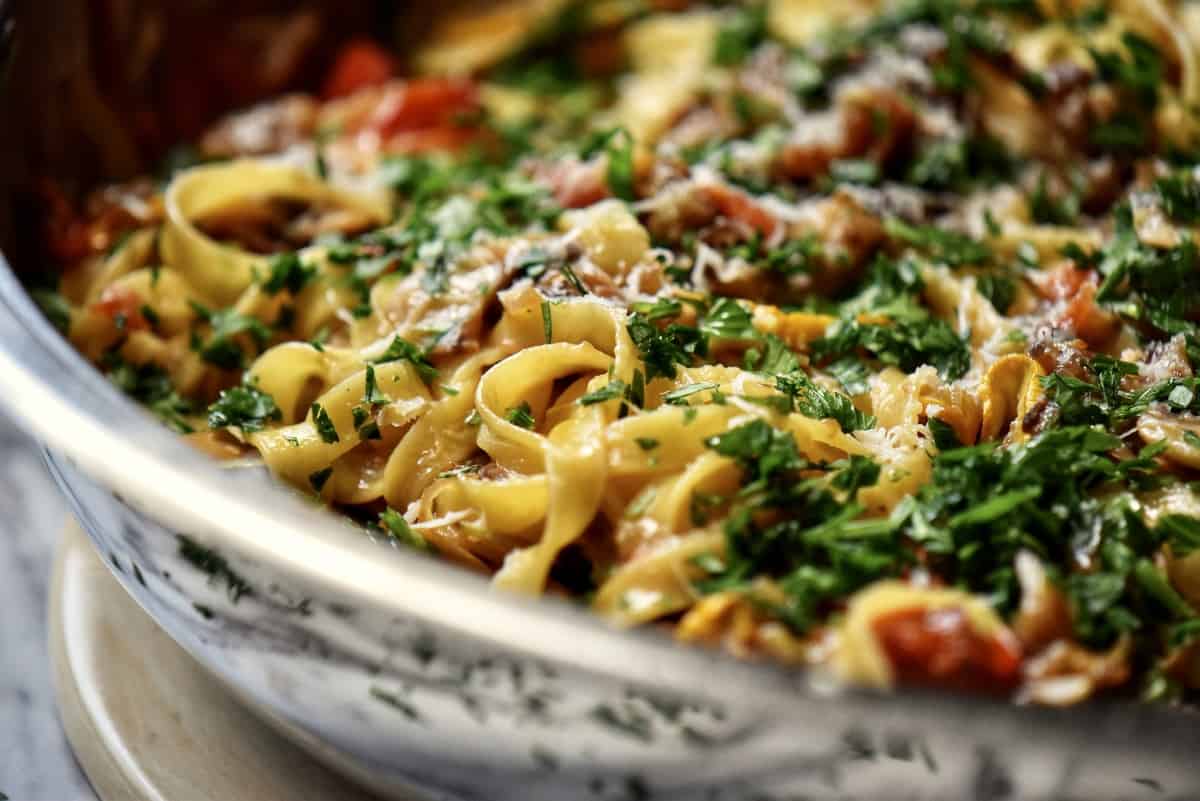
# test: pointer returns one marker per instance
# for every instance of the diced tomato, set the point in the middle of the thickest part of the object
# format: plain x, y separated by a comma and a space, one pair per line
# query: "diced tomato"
941, 648
574, 183
430, 140
1062, 281
1092, 324
123, 306
737, 205
359, 64
1082, 315
424, 103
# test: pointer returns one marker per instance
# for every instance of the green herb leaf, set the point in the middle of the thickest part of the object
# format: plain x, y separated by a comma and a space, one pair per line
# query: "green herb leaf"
318, 479
401, 349
681, 394
813, 400
372, 396
521, 416
245, 407
396, 527
614, 390
287, 272
324, 425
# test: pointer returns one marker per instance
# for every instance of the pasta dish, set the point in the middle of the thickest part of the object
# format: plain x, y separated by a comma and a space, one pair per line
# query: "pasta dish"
858, 334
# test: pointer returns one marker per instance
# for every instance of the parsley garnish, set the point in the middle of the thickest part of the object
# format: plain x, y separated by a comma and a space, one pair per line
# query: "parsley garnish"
680, 395
401, 349
950, 247
1179, 194
907, 344
619, 147
151, 386
774, 357
1136, 74
662, 350
812, 400
547, 322
398, 529
55, 307
573, 279
287, 272
372, 396
727, 319
659, 309
325, 428
741, 32
318, 479
521, 415
222, 349
245, 407
611, 391
1080, 402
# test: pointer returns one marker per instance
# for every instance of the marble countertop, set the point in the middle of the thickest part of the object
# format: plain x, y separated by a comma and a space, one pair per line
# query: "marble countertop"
35, 761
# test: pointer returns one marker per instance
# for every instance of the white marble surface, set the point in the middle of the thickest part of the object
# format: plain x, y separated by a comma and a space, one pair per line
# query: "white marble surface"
35, 761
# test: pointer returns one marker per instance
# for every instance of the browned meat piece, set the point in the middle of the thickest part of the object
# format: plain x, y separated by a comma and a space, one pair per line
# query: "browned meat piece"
274, 225
870, 123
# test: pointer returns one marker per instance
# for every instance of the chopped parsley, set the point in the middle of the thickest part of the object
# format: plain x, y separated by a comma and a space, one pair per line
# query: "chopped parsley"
398, 529
728, 319
679, 396
55, 307
318, 479
223, 348
245, 407
1136, 72
401, 349
662, 349
1101, 400
324, 425
907, 344
1179, 194
151, 386
949, 247
288, 272
613, 390
547, 322
742, 30
521, 416
812, 400
372, 396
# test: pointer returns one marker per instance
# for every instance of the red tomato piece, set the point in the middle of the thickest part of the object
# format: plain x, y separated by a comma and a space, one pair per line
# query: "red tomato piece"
574, 184
739, 206
1092, 324
424, 103
359, 64
941, 648
1082, 315
122, 303
1062, 281
429, 140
